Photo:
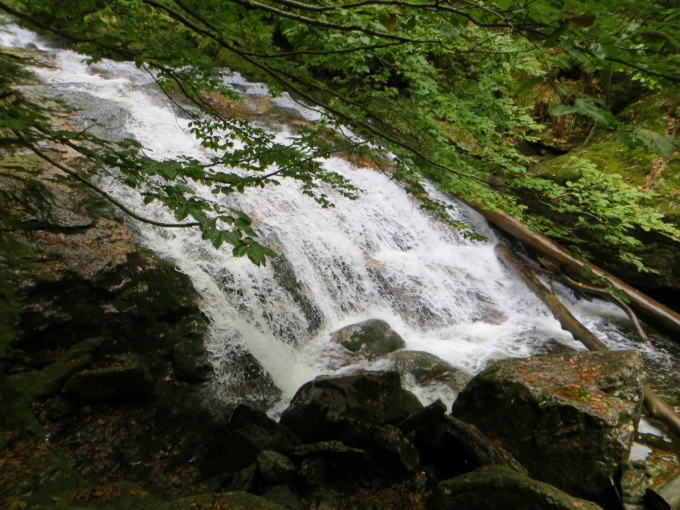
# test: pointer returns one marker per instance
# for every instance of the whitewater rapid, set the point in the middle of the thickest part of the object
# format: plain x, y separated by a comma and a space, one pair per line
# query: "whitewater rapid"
378, 257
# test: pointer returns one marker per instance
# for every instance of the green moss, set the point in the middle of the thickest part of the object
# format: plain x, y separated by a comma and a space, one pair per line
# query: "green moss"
650, 111
633, 164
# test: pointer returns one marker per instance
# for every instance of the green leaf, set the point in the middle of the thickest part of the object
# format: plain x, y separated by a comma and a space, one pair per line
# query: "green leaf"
240, 250
588, 108
659, 144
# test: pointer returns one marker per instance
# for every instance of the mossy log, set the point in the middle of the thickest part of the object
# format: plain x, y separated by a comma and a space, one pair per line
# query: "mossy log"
655, 405
651, 310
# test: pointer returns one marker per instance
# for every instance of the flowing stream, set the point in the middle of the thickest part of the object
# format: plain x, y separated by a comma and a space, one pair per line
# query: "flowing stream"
378, 257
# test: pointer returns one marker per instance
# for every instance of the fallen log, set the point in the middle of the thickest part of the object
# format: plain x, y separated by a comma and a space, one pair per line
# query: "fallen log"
654, 404
649, 309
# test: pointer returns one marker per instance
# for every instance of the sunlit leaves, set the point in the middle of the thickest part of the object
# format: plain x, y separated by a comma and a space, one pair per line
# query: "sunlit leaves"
436, 85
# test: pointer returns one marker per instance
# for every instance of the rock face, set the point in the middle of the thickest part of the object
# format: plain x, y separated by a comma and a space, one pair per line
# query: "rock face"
373, 397
370, 339
493, 487
570, 420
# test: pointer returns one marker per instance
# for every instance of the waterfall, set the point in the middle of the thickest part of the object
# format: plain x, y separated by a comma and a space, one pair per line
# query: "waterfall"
377, 257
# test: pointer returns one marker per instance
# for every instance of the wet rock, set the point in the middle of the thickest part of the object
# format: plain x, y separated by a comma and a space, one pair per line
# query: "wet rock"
425, 368
644, 471
492, 487
455, 447
329, 460
373, 397
284, 274
241, 379
390, 451
36, 203
370, 339
248, 433
244, 480
664, 495
274, 467
191, 361
570, 420
124, 378
74, 360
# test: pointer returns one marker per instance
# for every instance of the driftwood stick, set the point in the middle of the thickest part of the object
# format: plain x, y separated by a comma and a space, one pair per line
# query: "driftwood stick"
655, 405
652, 311
608, 295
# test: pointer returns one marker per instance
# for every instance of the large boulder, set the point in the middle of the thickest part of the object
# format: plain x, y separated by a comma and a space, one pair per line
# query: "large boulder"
570, 420
373, 397
501, 488
370, 339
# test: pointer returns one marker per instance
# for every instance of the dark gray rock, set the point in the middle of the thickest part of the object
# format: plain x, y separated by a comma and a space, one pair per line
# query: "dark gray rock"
501, 488
390, 451
124, 377
455, 447
248, 433
329, 460
274, 467
570, 420
191, 361
313, 472
283, 495
370, 339
240, 378
425, 368
373, 397
334, 450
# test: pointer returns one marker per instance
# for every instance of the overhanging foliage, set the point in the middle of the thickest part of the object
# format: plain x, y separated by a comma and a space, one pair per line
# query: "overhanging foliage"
436, 84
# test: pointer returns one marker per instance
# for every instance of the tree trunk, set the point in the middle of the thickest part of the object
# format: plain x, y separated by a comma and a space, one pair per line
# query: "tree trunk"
654, 403
652, 311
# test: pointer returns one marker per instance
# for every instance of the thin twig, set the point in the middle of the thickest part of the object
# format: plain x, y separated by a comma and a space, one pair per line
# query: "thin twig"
96, 188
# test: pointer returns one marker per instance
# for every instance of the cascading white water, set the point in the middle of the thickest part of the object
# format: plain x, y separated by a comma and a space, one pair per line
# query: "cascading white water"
378, 257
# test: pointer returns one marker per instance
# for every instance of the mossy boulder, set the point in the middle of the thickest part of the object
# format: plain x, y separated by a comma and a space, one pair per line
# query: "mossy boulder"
373, 397
570, 420
370, 339
496, 487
